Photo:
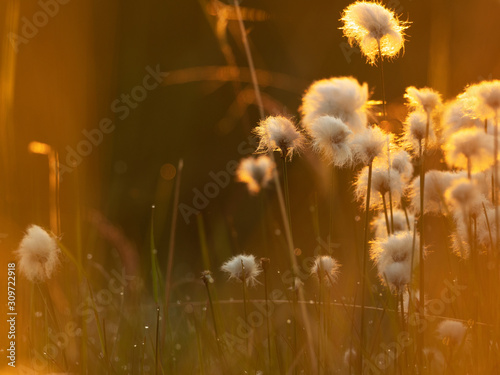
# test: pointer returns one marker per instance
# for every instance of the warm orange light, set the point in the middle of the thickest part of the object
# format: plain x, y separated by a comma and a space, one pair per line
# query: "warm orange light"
39, 148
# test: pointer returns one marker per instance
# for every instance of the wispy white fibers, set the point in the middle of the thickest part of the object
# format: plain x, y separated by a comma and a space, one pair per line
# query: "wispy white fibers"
331, 137
401, 162
393, 257
256, 173
436, 183
368, 144
487, 93
243, 267
464, 194
425, 99
383, 180
415, 130
38, 254
278, 133
466, 202
373, 27
341, 97
458, 115
400, 223
470, 149
327, 268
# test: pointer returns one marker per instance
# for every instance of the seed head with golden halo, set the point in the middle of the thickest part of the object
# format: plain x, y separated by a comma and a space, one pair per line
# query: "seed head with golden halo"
376, 29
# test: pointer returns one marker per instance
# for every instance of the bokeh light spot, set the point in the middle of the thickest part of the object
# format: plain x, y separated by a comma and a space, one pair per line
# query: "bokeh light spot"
168, 171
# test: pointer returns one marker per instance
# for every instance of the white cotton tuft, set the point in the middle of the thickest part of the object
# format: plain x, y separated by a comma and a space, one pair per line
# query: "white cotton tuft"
487, 93
369, 144
376, 29
38, 255
464, 194
451, 331
415, 128
383, 180
397, 275
341, 97
436, 184
458, 115
393, 257
278, 133
326, 268
425, 99
243, 268
469, 149
401, 162
398, 247
256, 173
331, 137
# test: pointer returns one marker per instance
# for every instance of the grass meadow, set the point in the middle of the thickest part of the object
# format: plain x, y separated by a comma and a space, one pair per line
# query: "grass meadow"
253, 200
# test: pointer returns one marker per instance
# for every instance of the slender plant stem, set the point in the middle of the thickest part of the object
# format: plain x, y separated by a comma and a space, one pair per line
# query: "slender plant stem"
422, 237
330, 225
286, 189
157, 342
320, 302
389, 175
268, 323
245, 311
382, 79
364, 276
287, 226
248, 53
495, 182
387, 225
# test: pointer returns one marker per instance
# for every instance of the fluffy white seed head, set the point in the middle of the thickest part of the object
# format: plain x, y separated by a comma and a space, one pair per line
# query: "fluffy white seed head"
256, 173
425, 99
38, 255
278, 133
464, 194
341, 97
376, 29
469, 146
326, 268
458, 115
401, 162
383, 180
331, 137
397, 247
243, 268
436, 184
452, 332
415, 128
369, 144
487, 104
393, 257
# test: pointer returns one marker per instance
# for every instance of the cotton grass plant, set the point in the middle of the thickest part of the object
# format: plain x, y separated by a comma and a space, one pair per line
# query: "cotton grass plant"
300, 319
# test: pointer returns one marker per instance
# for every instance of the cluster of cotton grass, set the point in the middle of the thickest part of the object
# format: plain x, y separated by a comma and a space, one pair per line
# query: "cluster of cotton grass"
394, 184
397, 192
